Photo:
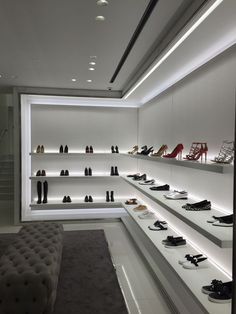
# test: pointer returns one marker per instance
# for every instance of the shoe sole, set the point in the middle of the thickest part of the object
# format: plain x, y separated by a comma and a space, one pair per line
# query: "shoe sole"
175, 246
218, 300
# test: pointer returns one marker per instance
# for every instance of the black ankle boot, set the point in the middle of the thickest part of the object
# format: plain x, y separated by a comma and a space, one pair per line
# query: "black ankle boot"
113, 149
38, 174
112, 196
87, 150
45, 192
90, 199
91, 149
86, 199
66, 149
89, 171
62, 173
112, 171
117, 149
67, 173
116, 172
39, 192
107, 196
61, 149
86, 171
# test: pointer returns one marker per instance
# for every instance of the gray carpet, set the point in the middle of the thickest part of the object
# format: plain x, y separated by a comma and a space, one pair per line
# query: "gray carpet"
87, 282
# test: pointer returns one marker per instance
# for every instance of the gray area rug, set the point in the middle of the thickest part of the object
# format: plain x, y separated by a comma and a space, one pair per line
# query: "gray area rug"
87, 282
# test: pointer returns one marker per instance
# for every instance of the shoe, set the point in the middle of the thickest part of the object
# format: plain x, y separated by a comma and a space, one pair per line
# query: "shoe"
39, 192
64, 199
89, 171
87, 150
147, 182
113, 150
133, 175
189, 257
117, 149
175, 243
198, 204
162, 150
171, 238
227, 218
91, 149
222, 295
90, 199
68, 199
147, 151
61, 149
42, 149
107, 196
116, 173
177, 195
158, 226
112, 173
196, 263
86, 199
43, 173
38, 173
62, 173
112, 196
140, 178
215, 286
140, 208
226, 154
134, 151
203, 205
176, 152
197, 151
165, 187
223, 223
131, 201
144, 148
38, 149
86, 171
147, 215
66, 172
66, 149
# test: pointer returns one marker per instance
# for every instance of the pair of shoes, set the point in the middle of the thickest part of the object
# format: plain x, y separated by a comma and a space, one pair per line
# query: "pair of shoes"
89, 149
147, 182
64, 173
114, 171
115, 150
194, 261
162, 150
226, 154
131, 201
197, 150
203, 205
140, 177
45, 192
140, 208
41, 174
173, 242
223, 221
134, 151
177, 195
164, 187
66, 199
176, 152
40, 149
110, 198
88, 171
158, 226
147, 214
218, 291
65, 150
88, 199
145, 150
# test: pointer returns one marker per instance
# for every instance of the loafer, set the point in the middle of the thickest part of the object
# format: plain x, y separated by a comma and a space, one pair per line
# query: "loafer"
165, 187
177, 195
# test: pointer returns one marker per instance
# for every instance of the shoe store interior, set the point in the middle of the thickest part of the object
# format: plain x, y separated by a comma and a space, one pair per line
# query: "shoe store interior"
117, 139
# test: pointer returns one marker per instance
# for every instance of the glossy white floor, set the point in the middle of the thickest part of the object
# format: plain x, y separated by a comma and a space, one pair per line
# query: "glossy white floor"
140, 291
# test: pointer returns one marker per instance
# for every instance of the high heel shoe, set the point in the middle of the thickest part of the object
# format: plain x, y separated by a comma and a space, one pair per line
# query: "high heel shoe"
226, 154
162, 150
176, 152
198, 152
148, 151
135, 149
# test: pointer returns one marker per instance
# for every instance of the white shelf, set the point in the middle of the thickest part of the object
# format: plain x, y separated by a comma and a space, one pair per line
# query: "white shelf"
192, 279
73, 154
36, 178
212, 167
221, 236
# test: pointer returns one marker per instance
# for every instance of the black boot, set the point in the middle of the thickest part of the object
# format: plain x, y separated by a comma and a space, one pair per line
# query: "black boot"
112, 171
113, 149
87, 150
90, 199
86, 199
112, 196
107, 196
91, 149
39, 191
66, 149
89, 171
45, 192
116, 172
117, 149
61, 149
86, 171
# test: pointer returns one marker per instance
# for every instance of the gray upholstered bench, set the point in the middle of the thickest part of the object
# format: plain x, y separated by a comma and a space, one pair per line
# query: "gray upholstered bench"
29, 270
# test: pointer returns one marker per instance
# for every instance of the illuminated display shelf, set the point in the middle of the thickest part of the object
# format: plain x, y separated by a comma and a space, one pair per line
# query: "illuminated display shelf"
74, 154
192, 279
212, 167
221, 236
70, 177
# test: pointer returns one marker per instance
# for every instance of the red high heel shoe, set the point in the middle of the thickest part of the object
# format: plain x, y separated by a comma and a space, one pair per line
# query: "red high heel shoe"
176, 152
199, 152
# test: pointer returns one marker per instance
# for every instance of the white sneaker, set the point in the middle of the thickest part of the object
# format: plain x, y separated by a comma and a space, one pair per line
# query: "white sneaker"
177, 195
196, 263
147, 215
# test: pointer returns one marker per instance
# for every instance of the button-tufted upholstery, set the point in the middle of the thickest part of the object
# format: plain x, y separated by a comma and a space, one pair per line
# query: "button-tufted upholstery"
29, 270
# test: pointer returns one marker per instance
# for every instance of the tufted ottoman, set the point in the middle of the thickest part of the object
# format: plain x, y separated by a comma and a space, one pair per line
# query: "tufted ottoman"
29, 270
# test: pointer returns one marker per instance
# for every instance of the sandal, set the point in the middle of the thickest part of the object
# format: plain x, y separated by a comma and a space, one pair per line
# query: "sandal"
135, 149
140, 208
131, 201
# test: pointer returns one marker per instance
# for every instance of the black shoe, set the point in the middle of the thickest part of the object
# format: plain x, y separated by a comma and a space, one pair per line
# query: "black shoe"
68, 199
45, 192
86, 171
175, 243
144, 148
39, 192
61, 149
43, 174
66, 172
107, 196
112, 171
90, 199
62, 173
198, 204
112, 196
116, 173
113, 149
133, 175
117, 149
91, 149
203, 205
222, 295
66, 149
42, 149
147, 151
87, 150
89, 171
38, 150
38, 174
140, 178
171, 238
86, 199
64, 199
165, 187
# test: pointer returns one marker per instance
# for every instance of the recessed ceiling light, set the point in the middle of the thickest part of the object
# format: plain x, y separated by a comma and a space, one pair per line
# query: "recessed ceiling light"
91, 69
89, 81
92, 63
102, 2
100, 18
73, 80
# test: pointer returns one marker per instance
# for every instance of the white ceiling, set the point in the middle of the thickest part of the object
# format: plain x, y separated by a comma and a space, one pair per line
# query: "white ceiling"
46, 43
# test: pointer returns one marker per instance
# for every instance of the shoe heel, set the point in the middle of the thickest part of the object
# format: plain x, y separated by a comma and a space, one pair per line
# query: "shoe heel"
180, 155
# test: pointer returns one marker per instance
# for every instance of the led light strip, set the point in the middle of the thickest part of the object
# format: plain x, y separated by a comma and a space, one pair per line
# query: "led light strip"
175, 46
